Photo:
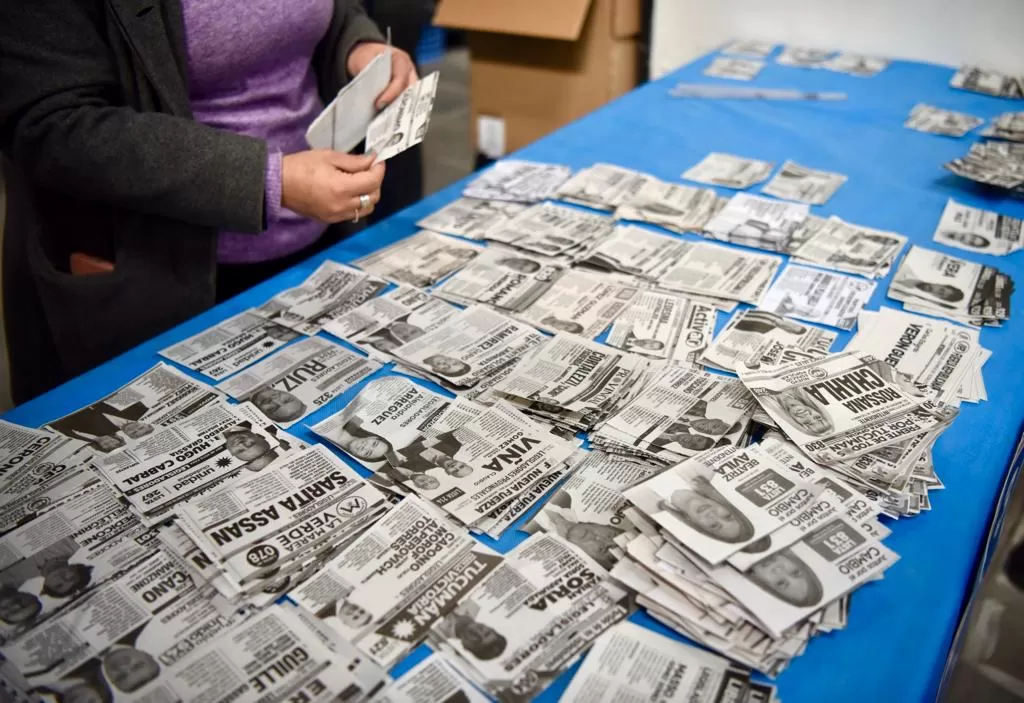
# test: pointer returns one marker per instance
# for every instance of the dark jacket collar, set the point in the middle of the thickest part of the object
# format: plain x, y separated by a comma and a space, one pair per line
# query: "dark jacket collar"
154, 30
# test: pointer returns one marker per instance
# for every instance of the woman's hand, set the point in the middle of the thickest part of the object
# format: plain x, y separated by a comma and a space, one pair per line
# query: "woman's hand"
403, 70
325, 185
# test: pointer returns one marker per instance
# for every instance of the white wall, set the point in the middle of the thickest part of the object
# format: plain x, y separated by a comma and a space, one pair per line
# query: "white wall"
985, 32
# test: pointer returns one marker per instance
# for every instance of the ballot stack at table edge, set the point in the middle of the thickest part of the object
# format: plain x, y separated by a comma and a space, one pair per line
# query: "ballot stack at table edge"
737, 487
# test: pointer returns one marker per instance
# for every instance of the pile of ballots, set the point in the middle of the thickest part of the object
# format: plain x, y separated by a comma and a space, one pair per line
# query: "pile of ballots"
935, 283
995, 163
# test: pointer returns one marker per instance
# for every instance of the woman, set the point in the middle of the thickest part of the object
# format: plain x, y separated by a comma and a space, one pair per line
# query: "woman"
151, 140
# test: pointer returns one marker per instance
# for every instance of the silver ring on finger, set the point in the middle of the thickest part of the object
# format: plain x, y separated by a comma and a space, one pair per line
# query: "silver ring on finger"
364, 202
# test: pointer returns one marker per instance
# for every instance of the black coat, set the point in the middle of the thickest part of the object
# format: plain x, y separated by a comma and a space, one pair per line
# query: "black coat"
105, 159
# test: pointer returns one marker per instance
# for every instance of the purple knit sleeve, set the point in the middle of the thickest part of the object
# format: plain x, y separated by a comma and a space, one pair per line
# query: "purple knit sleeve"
272, 191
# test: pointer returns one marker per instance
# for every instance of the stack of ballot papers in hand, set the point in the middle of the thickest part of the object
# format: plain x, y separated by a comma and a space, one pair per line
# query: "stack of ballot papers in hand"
469, 218
1009, 126
574, 383
473, 462
601, 186
851, 248
554, 230
529, 619
680, 412
757, 222
999, 164
633, 663
403, 124
934, 283
980, 80
676, 207
750, 551
518, 182
977, 230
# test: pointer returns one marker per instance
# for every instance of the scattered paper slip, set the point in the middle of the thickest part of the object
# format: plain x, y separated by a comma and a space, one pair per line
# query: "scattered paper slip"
757, 222
980, 80
735, 68
730, 171
469, 218
749, 48
518, 182
802, 57
935, 120
818, 296
804, 185
977, 230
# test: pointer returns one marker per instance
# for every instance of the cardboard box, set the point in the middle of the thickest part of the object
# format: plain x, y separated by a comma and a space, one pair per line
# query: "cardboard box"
536, 65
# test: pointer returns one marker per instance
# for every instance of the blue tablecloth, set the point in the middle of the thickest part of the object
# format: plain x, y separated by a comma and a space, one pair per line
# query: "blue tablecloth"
900, 629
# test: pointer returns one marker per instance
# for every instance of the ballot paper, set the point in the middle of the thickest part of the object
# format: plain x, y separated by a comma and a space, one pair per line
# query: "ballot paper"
751, 494
176, 461
433, 680
637, 252
275, 655
601, 186
587, 510
329, 292
518, 181
253, 524
48, 564
471, 219
553, 230
980, 80
38, 469
757, 222
939, 357
736, 68
977, 230
529, 619
857, 65
132, 628
851, 248
802, 57
389, 587
994, 163
720, 272
1009, 125
579, 303
818, 296
377, 311
756, 338
748, 47
420, 260
344, 122
469, 346
680, 412
803, 184
502, 278
663, 326
161, 396
844, 405
928, 118
938, 284
632, 663
401, 324
298, 381
731, 171
673, 206
402, 124
574, 382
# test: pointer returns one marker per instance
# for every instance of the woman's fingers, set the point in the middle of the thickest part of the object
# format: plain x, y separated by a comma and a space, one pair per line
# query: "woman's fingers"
403, 74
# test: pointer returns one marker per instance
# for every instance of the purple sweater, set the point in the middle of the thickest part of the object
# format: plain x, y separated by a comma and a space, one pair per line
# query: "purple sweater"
250, 72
